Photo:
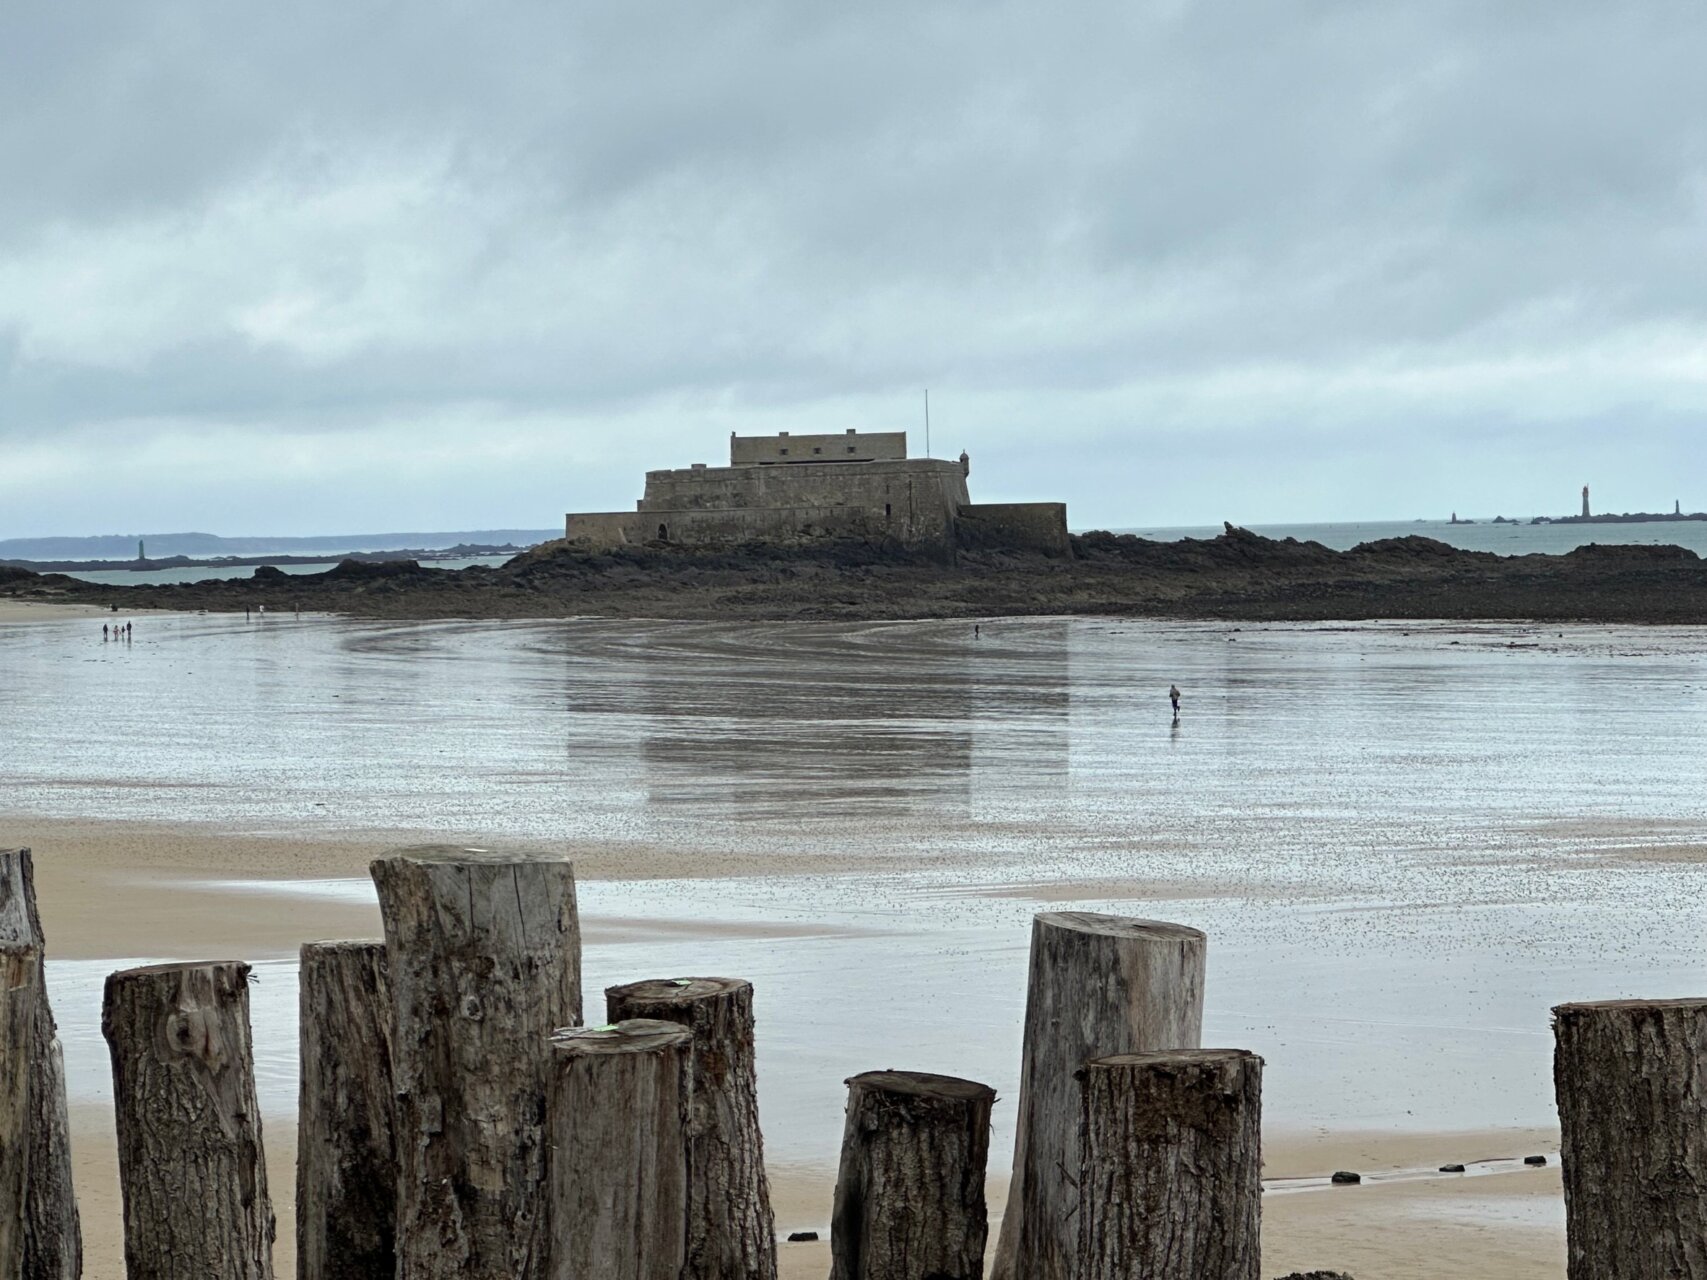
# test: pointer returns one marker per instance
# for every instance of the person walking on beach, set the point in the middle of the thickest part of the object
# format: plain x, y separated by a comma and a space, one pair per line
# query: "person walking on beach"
1173, 697
103, 632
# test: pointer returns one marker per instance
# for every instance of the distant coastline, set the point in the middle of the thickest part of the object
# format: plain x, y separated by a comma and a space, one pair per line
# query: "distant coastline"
1628, 517
461, 551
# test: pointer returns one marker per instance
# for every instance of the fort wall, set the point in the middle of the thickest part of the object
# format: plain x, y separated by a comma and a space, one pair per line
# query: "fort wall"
1015, 526
776, 492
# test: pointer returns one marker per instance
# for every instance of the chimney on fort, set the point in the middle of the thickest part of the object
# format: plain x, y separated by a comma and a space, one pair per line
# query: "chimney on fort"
1585, 502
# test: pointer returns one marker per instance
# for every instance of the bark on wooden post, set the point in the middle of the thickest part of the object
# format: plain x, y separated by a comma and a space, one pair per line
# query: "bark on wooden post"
910, 1191
731, 1233
1631, 1082
53, 1238
618, 1115
1170, 1172
484, 959
346, 1154
20, 995
1099, 984
189, 1129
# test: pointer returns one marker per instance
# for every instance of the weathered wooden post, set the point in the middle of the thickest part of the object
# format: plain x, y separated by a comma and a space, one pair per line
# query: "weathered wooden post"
484, 959
731, 1232
20, 996
346, 1154
618, 1117
189, 1128
1630, 1077
1170, 1170
53, 1237
1099, 984
910, 1191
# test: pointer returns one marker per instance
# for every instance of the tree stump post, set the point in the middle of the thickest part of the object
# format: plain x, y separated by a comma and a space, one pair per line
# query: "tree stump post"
1170, 1173
20, 998
346, 1154
53, 1236
618, 1116
1099, 984
910, 1191
731, 1232
1630, 1077
189, 1129
484, 960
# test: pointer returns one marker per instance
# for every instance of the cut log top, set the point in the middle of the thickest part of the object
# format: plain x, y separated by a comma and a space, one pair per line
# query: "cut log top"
922, 1084
637, 1035
1174, 1057
1120, 926
189, 966
451, 853
673, 991
340, 946
1588, 1007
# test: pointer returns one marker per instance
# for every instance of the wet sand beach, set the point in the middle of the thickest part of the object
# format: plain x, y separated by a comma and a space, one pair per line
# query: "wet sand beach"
1405, 843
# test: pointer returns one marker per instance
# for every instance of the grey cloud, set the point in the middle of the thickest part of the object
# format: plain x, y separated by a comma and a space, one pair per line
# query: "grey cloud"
1277, 235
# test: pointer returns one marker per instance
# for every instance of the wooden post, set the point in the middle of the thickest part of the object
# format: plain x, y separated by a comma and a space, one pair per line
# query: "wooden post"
1630, 1077
20, 996
484, 958
910, 1191
618, 1116
731, 1233
189, 1128
1170, 1172
53, 1237
346, 1154
1099, 984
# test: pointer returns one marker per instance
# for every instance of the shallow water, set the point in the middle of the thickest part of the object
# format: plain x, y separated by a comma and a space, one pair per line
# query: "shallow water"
1406, 843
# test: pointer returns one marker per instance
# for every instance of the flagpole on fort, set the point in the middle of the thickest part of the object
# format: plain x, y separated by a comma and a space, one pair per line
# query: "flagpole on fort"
927, 422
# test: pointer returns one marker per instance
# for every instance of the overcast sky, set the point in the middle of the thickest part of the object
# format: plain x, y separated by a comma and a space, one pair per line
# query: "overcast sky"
440, 265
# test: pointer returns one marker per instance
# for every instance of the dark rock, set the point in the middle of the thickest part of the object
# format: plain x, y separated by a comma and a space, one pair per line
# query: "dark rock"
1345, 1178
270, 573
800, 1237
370, 570
1535, 1160
1452, 1168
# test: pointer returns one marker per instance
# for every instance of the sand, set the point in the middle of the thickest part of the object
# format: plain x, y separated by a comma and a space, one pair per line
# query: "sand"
49, 611
111, 890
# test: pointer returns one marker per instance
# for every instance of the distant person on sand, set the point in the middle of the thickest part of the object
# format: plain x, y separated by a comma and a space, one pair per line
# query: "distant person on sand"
103, 631
1173, 697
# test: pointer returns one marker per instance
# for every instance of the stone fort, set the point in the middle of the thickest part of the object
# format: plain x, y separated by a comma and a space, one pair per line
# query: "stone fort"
790, 489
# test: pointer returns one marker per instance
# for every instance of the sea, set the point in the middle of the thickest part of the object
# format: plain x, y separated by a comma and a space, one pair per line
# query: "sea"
1406, 842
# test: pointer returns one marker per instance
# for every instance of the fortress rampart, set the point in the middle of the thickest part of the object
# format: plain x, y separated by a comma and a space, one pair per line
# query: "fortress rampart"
789, 489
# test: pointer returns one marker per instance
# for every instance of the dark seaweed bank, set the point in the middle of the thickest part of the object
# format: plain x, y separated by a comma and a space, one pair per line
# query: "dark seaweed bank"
1236, 576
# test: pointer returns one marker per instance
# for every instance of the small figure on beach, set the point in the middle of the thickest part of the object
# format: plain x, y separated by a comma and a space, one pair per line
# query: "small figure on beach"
104, 635
976, 630
1173, 697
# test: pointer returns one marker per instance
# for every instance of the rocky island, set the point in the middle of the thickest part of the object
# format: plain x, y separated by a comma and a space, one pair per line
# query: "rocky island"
1235, 576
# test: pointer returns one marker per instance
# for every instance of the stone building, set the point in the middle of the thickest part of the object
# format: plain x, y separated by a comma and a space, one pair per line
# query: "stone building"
787, 489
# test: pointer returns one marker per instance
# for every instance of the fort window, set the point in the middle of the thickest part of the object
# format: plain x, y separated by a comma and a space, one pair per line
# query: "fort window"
888, 510
817, 451
663, 533
783, 452
853, 448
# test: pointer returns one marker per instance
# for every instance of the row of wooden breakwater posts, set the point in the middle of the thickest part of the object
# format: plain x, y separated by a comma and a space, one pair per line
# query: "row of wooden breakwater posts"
457, 1122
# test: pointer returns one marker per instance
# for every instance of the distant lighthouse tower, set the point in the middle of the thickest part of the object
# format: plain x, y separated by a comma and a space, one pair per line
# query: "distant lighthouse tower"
1585, 502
